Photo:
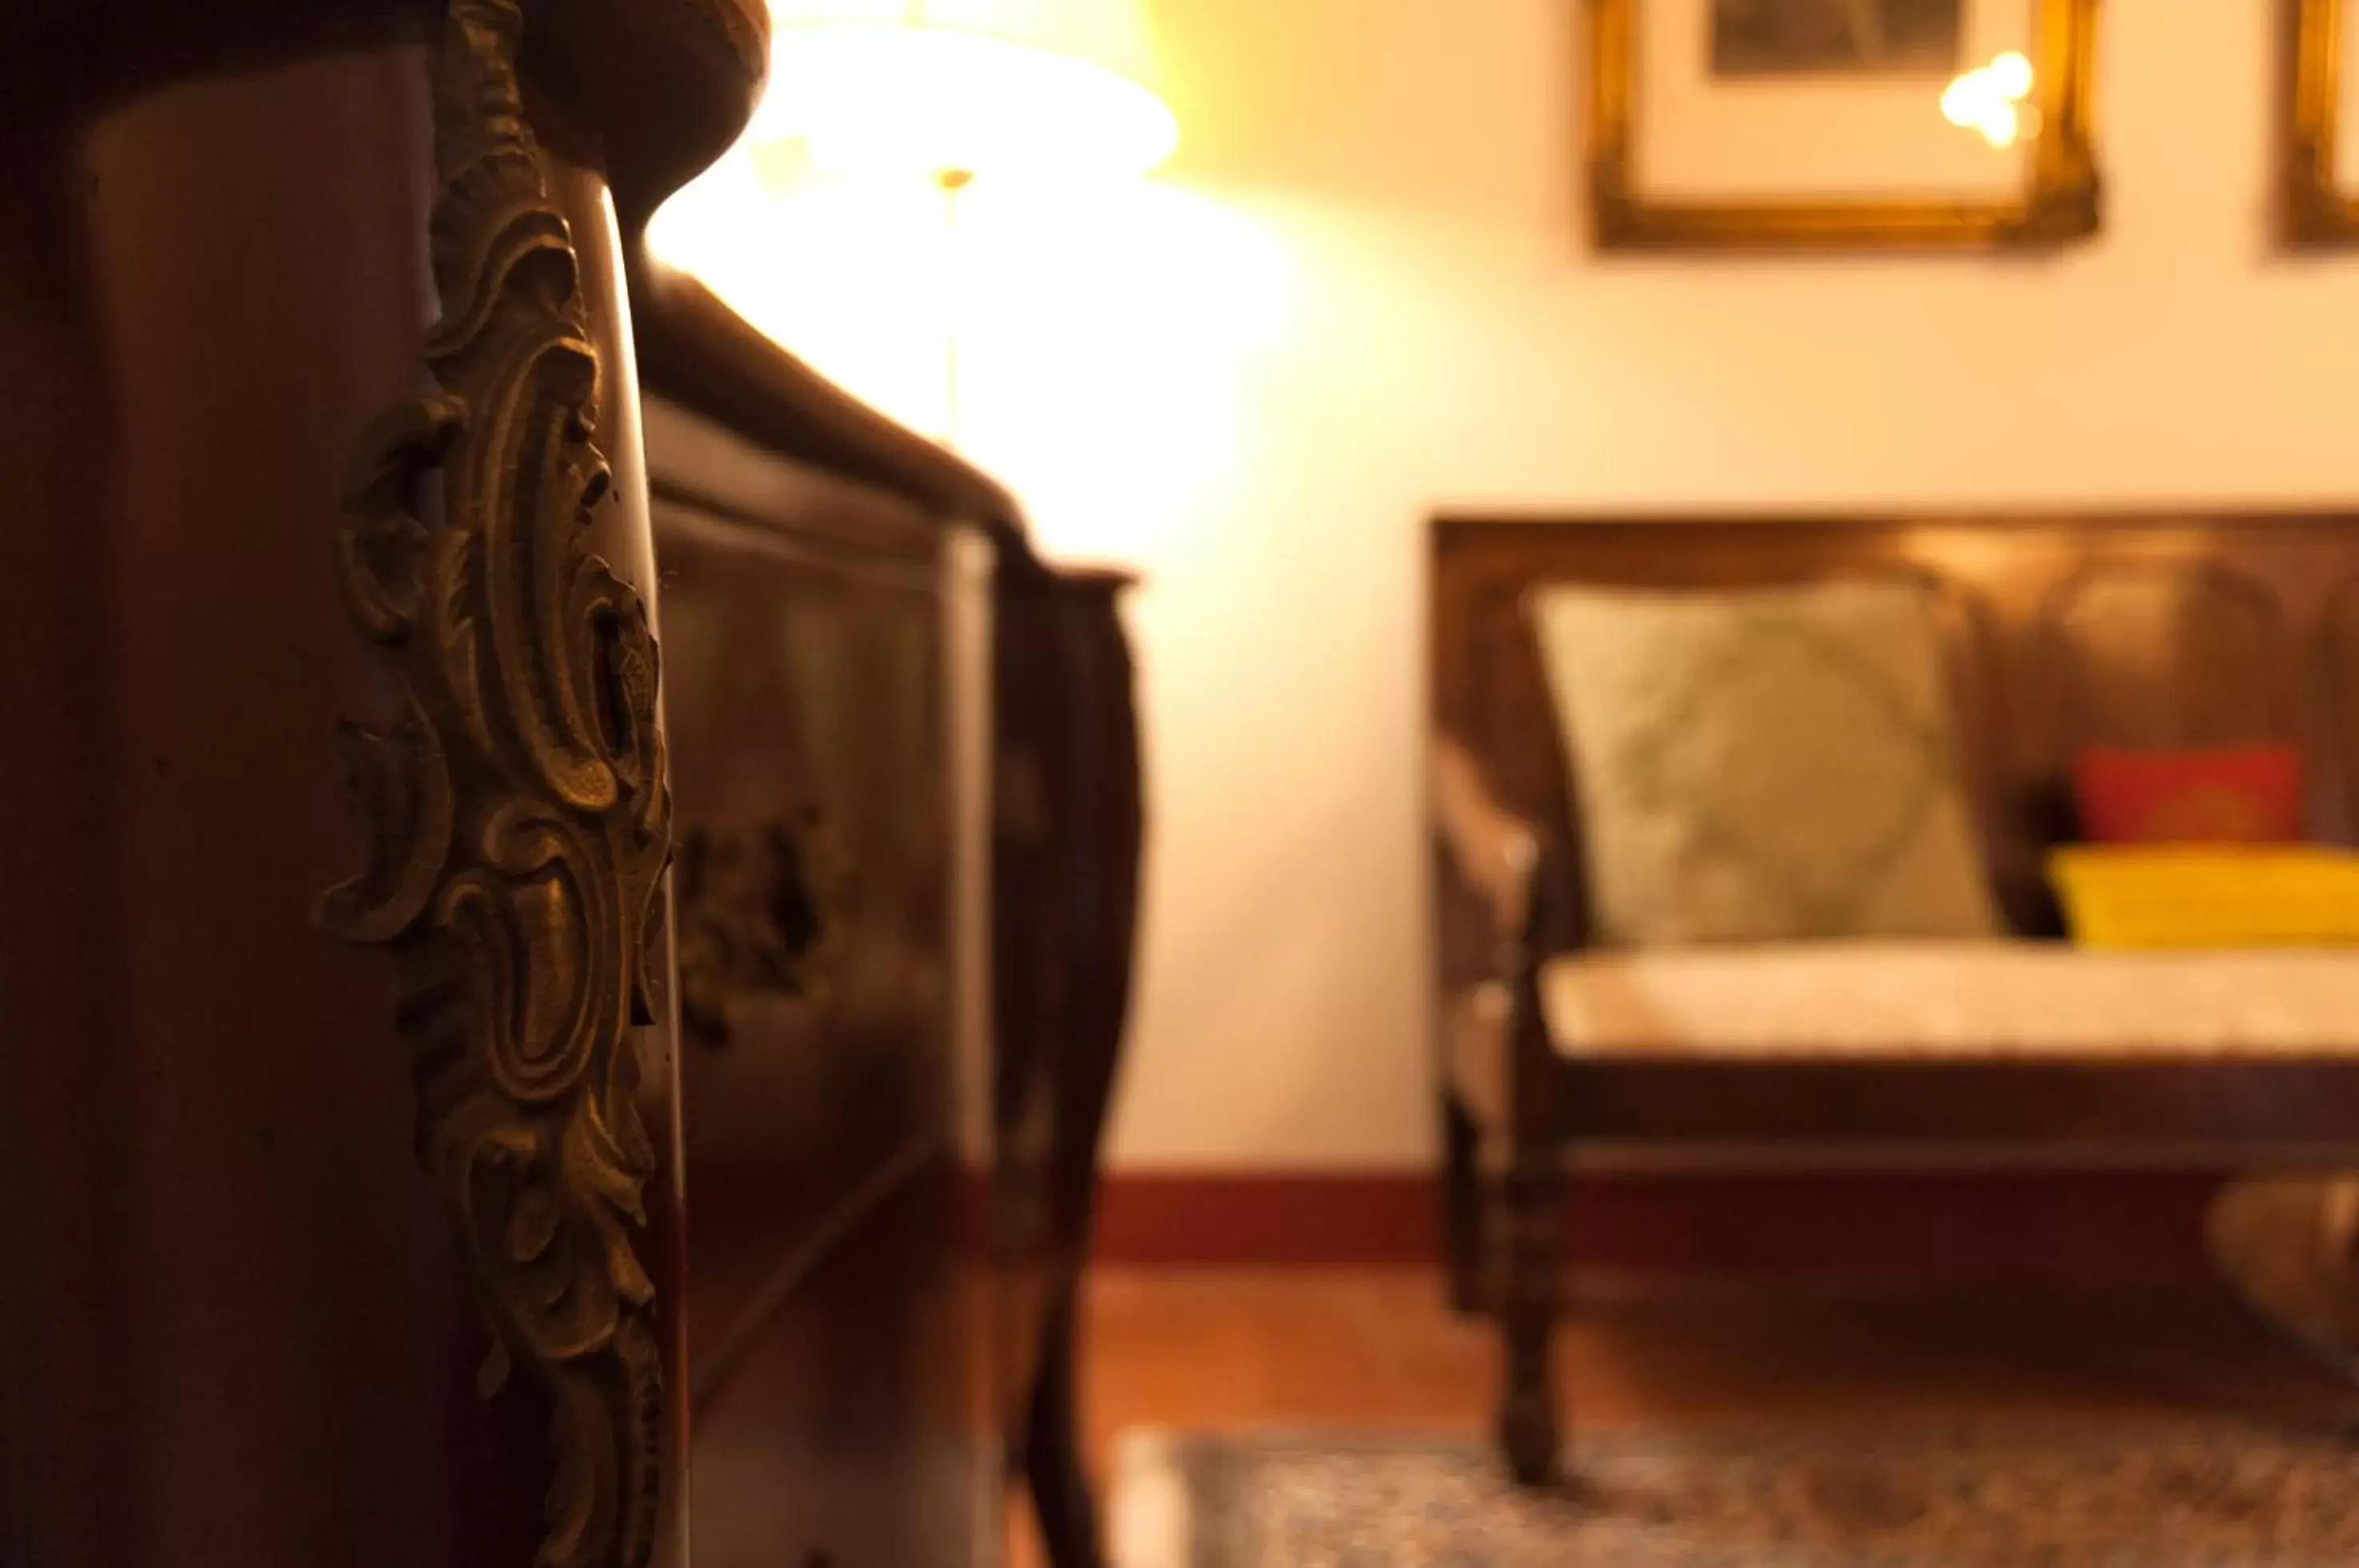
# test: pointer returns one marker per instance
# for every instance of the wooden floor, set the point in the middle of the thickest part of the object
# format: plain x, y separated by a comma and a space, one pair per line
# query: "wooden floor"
1366, 1350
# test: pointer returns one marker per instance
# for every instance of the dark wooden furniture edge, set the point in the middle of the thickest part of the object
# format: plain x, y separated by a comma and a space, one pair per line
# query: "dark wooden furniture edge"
2224, 1112
524, 143
897, 1171
696, 352
1864, 1221
1065, 712
1068, 833
667, 84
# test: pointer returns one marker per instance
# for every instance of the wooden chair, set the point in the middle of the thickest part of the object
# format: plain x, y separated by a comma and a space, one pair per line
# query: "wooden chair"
2174, 629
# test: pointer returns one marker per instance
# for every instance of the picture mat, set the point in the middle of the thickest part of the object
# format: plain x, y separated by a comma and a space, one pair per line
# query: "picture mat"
1704, 138
1920, 34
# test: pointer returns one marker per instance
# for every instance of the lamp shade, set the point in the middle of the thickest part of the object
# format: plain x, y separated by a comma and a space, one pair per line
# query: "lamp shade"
968, 87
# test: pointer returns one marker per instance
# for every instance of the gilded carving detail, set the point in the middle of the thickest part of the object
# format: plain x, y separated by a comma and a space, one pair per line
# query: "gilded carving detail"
761, 913
518, 811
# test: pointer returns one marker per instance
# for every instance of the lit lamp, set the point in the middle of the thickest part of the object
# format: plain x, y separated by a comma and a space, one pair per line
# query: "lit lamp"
958, 89
943, 92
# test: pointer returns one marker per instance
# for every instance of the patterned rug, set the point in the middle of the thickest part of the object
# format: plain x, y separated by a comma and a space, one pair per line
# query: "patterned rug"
2113, 1494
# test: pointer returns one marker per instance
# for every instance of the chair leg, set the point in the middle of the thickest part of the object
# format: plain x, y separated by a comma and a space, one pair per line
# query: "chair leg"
1463, 1217
1528, 1423
1063, 1498
2289, 1246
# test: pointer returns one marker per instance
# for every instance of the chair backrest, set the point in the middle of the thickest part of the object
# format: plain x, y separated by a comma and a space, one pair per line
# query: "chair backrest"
2163, 629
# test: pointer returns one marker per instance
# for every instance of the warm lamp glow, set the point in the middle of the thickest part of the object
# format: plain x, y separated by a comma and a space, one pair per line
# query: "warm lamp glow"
1989, 99
2010, 74
995, 88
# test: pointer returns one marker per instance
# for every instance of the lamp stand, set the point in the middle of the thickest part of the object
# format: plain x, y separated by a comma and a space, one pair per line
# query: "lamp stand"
952, 182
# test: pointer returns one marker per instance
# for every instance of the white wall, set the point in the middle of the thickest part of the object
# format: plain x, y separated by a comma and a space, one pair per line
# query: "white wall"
1362, 293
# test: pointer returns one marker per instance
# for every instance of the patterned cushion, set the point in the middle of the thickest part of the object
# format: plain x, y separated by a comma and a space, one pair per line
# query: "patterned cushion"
1766, 765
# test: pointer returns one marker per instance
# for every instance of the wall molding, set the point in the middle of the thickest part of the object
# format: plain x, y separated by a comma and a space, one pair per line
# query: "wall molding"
2072, 1226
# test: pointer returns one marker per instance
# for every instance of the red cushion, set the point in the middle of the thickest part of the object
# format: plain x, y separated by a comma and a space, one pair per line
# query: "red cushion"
2249, 794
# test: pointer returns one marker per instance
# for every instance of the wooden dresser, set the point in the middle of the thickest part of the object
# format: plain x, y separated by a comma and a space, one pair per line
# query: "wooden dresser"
475, 1089
841, 1372
906, 777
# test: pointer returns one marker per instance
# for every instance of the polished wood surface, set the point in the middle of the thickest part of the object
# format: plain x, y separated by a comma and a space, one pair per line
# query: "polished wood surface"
285, 1366
1867, 1222
805, 628
239, 1327
663, 86
843, 1309
808, 612
63, 1380
852, 1428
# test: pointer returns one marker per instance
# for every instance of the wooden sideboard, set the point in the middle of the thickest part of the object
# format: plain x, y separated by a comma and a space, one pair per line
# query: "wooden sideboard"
842, 1372
352, 1100
906, 770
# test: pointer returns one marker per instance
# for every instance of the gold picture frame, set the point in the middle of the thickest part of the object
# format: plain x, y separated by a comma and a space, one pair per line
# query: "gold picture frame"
2314, 209
2060, 202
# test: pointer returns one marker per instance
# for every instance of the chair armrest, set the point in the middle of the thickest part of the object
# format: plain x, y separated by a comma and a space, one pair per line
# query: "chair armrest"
1493, 853
1499, 890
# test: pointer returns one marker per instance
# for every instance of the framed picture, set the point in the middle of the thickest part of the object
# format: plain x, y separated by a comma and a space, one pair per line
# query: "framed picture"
2322, 135
1739, 124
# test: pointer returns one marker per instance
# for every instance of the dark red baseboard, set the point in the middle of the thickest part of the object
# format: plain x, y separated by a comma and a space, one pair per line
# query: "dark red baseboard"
2092, 1226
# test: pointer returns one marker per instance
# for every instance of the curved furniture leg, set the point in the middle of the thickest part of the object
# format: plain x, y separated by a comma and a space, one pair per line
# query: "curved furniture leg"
1462, 1205
1528, 1423
2289, 1246
1062, 1498
1534, 1225
1070, 835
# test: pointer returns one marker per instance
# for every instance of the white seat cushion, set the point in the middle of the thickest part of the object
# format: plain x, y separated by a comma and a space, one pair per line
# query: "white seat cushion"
1952, 999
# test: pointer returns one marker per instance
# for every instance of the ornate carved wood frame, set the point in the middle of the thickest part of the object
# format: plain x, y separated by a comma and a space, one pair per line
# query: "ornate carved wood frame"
2315, 212
518, 807
2058, 204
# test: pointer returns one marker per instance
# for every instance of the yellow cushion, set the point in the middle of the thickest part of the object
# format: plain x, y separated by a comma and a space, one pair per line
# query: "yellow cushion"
2195, 896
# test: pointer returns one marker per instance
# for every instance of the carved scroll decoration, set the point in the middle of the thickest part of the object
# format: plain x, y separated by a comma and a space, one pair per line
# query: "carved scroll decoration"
761, 914
518, 811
